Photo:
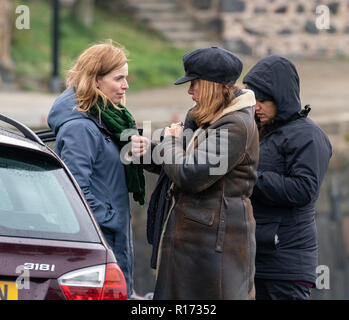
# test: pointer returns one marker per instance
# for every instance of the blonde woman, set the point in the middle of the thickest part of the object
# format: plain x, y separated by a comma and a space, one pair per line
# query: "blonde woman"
207, 247
88, 119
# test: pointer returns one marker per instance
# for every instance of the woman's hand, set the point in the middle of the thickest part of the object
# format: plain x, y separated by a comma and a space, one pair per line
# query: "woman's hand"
140, 145
176, 130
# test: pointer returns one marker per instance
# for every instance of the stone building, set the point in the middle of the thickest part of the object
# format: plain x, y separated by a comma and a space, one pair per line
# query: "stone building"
287, 27
250, 27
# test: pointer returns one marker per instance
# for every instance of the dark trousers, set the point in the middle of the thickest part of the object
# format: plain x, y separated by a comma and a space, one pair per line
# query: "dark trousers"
267, 289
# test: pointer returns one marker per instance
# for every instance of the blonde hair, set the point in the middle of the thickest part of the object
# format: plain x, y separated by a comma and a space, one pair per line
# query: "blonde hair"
96, 61
213, 98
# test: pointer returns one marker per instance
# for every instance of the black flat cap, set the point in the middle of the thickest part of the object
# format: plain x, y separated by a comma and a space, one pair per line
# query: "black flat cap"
212, 64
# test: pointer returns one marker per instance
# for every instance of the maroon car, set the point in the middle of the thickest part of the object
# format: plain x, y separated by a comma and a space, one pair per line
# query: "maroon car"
51, 247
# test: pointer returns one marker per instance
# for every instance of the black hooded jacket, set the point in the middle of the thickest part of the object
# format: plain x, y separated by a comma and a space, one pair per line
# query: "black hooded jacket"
294, 157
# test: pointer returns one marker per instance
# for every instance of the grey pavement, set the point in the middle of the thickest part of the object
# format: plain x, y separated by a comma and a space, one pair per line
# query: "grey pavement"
158, 105
324, 85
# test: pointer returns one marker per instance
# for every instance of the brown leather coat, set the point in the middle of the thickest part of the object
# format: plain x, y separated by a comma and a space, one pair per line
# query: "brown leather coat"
207, 250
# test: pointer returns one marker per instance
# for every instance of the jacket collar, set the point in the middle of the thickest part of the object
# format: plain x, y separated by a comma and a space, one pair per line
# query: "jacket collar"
246, 99
98, 123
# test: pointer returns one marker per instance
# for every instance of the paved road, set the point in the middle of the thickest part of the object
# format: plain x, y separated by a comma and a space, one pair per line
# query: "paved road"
169, 104
324, 85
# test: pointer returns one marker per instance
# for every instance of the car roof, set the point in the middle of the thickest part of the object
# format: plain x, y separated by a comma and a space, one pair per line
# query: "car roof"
12, 138
23, 138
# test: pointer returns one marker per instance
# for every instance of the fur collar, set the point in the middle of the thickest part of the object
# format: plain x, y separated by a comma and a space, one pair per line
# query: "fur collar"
246, 99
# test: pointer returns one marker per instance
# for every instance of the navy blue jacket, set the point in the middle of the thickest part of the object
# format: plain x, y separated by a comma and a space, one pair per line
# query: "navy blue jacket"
294, 157
94, 160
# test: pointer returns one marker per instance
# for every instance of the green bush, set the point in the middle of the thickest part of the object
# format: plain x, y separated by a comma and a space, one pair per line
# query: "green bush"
154, 62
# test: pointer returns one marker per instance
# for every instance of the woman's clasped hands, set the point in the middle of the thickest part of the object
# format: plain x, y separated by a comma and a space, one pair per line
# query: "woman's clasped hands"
175, 130
140, 145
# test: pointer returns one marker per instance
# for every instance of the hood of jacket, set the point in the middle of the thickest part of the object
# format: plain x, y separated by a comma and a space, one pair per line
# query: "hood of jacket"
63, 110
277, 77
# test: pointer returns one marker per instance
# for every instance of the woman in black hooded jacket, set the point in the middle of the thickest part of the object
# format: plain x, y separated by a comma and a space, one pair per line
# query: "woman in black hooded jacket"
294, 157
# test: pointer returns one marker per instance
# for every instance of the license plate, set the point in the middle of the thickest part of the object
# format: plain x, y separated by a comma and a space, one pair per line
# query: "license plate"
8, 290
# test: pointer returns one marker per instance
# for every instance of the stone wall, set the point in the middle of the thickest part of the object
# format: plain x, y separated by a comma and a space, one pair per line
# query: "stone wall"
287, 27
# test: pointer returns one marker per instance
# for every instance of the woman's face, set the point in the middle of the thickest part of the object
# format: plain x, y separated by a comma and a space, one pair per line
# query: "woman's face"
114, 84
194, 90
265, 110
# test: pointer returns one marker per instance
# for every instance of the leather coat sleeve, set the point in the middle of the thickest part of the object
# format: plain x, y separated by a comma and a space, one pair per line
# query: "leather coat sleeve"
305, 160
215, 155
146, 161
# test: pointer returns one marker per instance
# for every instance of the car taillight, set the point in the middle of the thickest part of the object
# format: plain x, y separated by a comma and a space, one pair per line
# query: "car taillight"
104, 282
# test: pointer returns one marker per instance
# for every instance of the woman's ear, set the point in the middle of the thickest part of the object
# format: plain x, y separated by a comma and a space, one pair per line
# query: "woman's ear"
97, 81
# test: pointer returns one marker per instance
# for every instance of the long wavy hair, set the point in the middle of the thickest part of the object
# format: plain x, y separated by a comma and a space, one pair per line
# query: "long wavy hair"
96, 61
213, 98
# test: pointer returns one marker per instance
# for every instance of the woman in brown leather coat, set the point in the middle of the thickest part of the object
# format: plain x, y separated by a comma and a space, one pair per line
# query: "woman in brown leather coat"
207, 247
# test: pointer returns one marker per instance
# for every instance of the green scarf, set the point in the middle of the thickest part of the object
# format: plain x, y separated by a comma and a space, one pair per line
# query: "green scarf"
117, 121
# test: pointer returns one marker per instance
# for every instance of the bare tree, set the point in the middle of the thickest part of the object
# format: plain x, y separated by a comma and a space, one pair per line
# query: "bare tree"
6, 25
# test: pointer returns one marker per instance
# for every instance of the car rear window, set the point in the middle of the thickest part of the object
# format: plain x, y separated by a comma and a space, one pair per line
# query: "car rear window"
38, 200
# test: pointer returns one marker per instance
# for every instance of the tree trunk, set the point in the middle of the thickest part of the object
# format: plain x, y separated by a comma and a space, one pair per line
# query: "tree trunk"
83, 11
6, 25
